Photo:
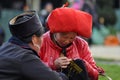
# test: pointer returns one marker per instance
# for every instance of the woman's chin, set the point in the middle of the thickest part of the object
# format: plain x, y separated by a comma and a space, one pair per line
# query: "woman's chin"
63, 45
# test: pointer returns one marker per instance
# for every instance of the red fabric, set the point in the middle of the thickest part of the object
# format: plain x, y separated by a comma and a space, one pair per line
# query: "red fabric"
70, 20
78, 50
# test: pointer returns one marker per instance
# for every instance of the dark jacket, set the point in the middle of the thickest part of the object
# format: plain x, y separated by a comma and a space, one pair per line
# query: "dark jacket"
19, 62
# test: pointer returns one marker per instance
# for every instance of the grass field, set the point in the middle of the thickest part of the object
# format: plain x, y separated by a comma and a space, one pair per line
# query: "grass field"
112, 70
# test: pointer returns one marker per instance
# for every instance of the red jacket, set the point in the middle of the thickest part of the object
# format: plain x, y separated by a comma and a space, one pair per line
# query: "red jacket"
79, 49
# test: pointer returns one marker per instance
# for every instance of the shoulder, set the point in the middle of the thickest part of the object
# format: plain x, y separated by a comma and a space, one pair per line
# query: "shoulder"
13, 51
46, 35
80, 41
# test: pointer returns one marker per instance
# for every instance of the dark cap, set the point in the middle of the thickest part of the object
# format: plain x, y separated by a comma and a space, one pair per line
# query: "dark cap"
25, 25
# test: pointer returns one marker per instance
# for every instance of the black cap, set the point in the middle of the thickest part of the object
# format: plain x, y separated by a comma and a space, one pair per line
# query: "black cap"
25, 25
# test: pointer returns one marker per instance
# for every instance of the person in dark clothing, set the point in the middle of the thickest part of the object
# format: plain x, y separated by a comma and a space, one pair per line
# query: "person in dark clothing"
2, 35
19, 58
90, 7
44, 14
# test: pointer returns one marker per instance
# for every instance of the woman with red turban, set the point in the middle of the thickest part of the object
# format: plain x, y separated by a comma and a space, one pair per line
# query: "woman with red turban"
63, 42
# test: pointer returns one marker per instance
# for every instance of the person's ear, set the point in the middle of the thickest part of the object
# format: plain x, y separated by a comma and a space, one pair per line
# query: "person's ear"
34, 40
35, 43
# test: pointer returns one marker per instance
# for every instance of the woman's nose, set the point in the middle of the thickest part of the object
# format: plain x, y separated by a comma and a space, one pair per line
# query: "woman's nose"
68, 41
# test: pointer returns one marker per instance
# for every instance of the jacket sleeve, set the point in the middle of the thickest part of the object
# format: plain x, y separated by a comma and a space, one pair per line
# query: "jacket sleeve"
33, 68
89, 62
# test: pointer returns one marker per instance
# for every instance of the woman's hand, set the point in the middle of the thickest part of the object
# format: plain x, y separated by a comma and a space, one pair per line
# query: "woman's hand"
62, 62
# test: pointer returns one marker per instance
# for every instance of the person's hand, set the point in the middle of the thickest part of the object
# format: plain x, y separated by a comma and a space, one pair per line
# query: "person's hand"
62, 62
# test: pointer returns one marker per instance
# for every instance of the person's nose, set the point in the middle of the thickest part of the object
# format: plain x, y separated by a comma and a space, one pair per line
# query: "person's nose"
68, 41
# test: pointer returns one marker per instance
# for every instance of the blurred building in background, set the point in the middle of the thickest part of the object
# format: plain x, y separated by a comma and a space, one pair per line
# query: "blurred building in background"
10, 8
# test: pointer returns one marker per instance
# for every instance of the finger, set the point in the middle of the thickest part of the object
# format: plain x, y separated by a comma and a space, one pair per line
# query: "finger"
69, 60
63, 66
65, 61
63, 58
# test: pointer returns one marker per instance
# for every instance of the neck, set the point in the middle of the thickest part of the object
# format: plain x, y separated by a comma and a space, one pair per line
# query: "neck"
34, 47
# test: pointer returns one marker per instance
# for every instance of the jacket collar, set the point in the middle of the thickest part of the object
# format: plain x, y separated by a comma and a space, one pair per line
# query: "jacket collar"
18, 42
22, 44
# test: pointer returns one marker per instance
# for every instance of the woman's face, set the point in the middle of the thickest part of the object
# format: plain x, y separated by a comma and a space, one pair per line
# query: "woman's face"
63, 39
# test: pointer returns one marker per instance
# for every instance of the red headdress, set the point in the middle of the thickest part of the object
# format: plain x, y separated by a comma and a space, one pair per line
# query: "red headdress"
66, 19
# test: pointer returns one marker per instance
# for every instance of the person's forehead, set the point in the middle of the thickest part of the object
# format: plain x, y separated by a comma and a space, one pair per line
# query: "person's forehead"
67, 33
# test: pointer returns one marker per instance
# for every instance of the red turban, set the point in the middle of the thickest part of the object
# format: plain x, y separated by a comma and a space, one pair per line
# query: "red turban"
70, 20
